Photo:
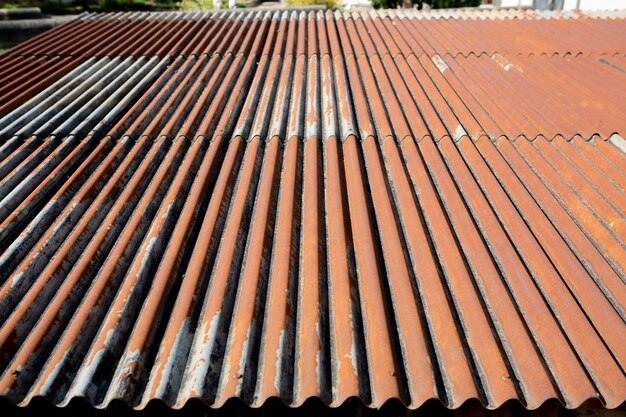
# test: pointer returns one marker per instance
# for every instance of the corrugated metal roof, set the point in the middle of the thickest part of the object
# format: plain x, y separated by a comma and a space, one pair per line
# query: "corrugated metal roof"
295, 205
370, 49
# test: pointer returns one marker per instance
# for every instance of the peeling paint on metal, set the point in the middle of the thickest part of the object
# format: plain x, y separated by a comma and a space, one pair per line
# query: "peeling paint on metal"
441, 65
618, 141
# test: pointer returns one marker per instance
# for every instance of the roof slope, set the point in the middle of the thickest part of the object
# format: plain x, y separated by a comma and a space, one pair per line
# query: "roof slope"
297, 205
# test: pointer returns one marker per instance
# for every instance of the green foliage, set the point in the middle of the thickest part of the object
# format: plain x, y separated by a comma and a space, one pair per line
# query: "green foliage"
191, 5
330, 4
13, 5
435, 4
442, 4
53, 7
384, 4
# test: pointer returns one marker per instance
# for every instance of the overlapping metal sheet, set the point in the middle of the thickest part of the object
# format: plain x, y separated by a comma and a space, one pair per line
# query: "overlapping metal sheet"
39, 62
296, 205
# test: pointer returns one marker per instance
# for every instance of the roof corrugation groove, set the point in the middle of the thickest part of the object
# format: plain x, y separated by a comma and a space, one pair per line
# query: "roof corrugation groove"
294, 205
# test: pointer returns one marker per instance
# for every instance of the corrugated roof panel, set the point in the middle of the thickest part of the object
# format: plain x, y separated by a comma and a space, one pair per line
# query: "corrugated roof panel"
285, 204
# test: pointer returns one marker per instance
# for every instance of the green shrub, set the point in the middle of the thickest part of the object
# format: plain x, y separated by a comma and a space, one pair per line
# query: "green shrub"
53, 7
15, 5
330, 4
435, 4
190, 5
441, 4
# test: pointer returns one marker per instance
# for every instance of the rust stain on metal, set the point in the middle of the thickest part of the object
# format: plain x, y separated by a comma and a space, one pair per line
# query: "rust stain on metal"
384, 205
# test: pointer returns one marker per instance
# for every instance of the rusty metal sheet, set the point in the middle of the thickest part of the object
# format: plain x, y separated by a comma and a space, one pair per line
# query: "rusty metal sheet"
389, 206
